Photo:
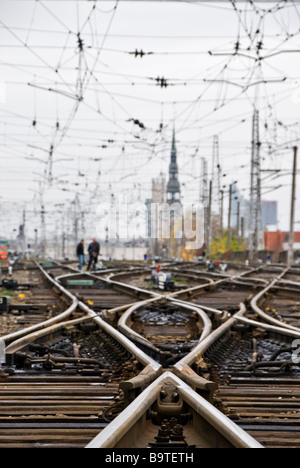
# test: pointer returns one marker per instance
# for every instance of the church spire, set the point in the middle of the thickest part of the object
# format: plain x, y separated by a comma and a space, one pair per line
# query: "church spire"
174, 150
173, 188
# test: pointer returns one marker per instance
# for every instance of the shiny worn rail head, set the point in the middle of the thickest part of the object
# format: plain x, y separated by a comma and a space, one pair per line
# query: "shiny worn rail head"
151, 368
221, 279
128, 424
124, 322
48, 323
184, 367
262, 314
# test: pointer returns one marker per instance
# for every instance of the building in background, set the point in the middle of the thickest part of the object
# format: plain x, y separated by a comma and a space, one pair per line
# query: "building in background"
269, 213
240, 209
174, 199
279, 241
154, 215
173, 187
164, 195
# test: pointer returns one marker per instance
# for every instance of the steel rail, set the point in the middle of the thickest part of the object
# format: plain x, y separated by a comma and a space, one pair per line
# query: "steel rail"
48, 323
226, 279
131, 334
183, 368
108, 280
173, 298
111, 312
210, 282
250, 282
68, 267
151, 368
265, 326
114, 432
288, 282
190, 375
201, 307
170, 297
207, 324
32, 337
124, 328
128, 288
262, 314
184, 275
142, 357
134, 289
124, 325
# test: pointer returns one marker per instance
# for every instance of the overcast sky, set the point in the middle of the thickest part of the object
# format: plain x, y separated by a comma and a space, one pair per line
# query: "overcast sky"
71, 85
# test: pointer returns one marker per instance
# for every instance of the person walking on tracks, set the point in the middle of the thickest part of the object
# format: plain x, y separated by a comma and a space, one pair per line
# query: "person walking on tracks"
80, 255
94, 250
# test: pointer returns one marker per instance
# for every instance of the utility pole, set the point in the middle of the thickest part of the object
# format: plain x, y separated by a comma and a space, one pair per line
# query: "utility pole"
243, 228
83, 223
204, 195
76, 230
293, 203
63, 245
222, 214
255, 222
24, 234
43, 224
216, 177
43, 229
238, 218
50, 172
76, 218
36, 242
56, 247
203, 182
209, 219
229, 217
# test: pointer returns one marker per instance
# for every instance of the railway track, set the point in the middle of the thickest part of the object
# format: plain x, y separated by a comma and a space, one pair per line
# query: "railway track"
35, 300
62, 384
143, 279
258, 382
166, 330
97, 291
70, 375
222, 295
278, 303
57, 397
170, 415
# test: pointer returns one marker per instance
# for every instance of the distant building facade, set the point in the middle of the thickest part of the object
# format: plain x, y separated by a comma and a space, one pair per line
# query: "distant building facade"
164, 194
154, 215
269, 213
240, 209
279, 241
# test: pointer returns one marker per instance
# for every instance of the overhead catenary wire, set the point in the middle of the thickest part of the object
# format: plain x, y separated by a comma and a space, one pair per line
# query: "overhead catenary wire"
196, 114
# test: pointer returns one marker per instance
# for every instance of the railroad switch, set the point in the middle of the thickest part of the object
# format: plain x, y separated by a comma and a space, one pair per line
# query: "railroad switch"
170, 434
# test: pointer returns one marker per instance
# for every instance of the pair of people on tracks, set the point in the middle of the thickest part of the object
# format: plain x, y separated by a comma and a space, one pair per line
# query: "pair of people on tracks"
93, 252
